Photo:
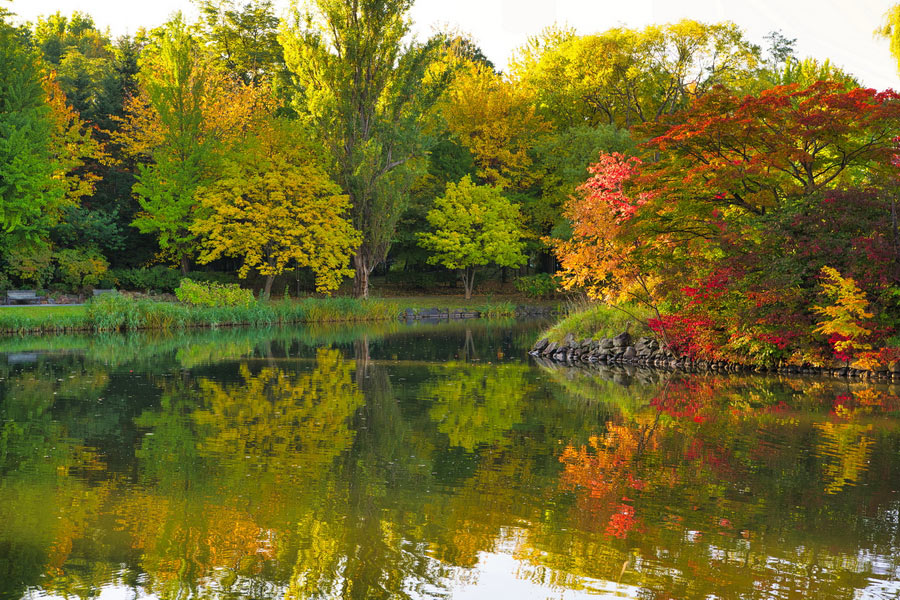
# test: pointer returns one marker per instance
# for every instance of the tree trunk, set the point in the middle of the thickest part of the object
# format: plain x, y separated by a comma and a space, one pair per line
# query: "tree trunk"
896, 236
185, 264
361, 278
469, 281
267, 292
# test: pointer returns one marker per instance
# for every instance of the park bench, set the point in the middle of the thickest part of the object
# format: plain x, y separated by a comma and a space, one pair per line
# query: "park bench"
22, 297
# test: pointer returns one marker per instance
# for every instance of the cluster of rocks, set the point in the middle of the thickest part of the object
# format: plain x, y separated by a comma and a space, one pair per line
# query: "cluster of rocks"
446, 314
439, 314
648, 352
621, 349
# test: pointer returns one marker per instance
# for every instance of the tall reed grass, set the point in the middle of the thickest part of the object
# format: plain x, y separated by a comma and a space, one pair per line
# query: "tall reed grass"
115, 312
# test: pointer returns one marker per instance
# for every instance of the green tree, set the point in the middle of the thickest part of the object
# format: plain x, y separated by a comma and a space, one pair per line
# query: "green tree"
175, 84
83, 58
472, 226
244, 37
627, 76
185, 118
31, 192
366, 93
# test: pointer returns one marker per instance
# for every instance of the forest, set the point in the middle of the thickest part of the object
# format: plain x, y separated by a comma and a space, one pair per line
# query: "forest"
742, 199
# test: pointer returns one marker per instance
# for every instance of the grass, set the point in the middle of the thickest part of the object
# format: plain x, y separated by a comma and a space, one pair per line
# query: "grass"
115, 312
600, 321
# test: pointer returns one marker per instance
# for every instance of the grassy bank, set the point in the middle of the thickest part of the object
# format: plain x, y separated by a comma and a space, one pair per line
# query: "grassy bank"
600, 321
115, 312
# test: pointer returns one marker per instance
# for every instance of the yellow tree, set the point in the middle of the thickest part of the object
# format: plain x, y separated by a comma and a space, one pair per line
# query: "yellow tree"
498, 123
272, 204
843, 319
891, 30
74, 146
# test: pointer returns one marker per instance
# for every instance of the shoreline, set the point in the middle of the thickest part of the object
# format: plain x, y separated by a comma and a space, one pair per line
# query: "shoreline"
128, 314
646, 352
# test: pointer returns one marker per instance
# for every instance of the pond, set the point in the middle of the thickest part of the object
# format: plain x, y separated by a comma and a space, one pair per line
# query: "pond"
430, 461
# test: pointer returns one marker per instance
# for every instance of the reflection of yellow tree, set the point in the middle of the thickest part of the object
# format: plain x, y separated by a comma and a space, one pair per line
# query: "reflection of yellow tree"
318, 555
476, 405
844, 449
182, 542
274, 432
288, 423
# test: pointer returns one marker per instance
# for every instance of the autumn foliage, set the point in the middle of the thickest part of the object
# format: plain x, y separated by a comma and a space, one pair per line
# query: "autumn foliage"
760, 228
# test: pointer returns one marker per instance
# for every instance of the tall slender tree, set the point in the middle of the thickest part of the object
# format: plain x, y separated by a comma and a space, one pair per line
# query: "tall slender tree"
366, 91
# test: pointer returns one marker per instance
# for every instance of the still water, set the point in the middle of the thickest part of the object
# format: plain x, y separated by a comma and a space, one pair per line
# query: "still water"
430, 461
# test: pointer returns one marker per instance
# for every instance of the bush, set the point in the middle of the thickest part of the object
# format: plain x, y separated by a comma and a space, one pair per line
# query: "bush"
80, 268
496, 310
32, 265
537, 286
213, 294
159, 278
421, 280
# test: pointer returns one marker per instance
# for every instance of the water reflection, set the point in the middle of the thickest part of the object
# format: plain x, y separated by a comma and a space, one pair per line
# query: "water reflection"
394, 462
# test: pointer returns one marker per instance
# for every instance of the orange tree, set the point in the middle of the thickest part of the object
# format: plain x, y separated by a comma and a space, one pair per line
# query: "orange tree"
726, 230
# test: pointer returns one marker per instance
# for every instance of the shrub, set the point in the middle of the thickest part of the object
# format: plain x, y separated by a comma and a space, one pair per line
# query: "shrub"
418, 280
539, 285
205, 293
80, 268
157, 278
496, 310
32, 264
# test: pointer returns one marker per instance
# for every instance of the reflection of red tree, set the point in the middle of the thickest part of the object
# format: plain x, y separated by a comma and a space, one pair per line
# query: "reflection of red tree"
606, 469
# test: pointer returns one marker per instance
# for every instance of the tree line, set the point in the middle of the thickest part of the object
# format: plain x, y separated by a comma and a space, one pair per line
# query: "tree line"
330, 140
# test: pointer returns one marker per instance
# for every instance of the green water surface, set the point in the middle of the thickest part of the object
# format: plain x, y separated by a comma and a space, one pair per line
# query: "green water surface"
430, 461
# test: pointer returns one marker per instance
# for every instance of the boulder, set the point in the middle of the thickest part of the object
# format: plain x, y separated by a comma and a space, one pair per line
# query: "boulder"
622, 340
630, 353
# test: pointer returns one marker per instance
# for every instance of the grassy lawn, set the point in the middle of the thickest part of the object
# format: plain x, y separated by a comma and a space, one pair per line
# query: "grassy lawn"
42, 311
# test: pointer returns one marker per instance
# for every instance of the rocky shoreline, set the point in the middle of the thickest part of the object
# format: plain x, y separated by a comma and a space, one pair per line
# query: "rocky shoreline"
521, 311
623, 350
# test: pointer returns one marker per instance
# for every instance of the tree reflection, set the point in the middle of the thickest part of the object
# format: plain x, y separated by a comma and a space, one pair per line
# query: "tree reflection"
714, 490
243, 459
476, 405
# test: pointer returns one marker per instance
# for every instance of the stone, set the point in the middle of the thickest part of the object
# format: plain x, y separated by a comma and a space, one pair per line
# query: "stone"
622, 340
541, 344
568, 341
630, 353
550, 348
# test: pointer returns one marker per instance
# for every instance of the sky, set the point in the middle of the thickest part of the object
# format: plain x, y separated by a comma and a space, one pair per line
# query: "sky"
841, 30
